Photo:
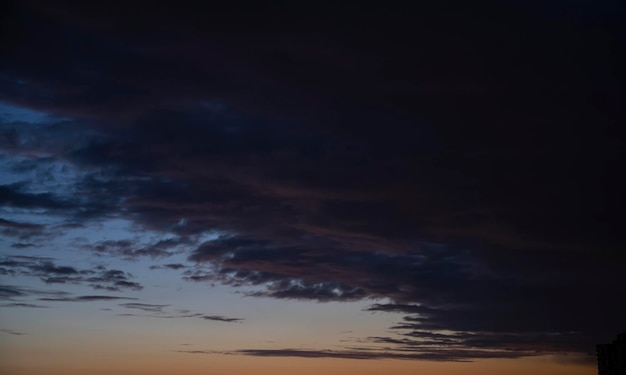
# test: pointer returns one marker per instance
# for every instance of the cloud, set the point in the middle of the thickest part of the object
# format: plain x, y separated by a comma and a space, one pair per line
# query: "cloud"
301, 290
433, 354
29, 305
452, 294
513, 342
17, 225
13, 332
10, 292
47, 271
13, 196
221, 318
17, 197
171, 266
21, 245
144, 306
347, 275
86, 299
413, 309
157, 312
133, 250
113, 280
22, 231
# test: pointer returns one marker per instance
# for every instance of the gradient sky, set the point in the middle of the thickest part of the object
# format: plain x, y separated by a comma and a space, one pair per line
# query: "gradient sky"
311, 187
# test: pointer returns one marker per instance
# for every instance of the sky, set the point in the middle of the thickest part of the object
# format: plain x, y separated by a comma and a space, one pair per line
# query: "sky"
313, 187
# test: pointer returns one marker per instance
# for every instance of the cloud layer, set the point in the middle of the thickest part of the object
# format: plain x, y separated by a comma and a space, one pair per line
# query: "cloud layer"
45, 269
468, 182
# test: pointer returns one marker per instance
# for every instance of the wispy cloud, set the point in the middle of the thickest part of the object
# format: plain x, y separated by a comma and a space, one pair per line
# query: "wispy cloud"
86, 299
171, 266
13, 332
98, 277
18, 304
221, 318
434, 354
158, 312
10, 292
144, 306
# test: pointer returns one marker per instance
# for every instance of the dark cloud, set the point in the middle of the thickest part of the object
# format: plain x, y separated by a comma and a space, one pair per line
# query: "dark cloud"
454, 292
459, 163
86, 299
49, 268
22, 231
217, 318
171, 266
13, 196
555, 343
20, 245
50, 273
144, 306
11, 292
17, 225
164, 316
431, 354
13, 332
157, 312
411, 309
30, 305
133, 250
113, 280
8, 292
91, 205
221, 318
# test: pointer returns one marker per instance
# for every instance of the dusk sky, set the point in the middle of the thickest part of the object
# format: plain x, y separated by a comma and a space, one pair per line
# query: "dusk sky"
311, 187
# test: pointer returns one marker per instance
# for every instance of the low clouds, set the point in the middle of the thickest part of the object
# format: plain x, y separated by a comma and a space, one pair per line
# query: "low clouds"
339, 275
11, 292
129, 249
13, 332
14, 293
14, 196
158, 311
170, 266
485, 310
86, 299
47, 271
23, 232
144, 306
427, 345
18, 304
432, 354
432, 346
220, 318
16, 225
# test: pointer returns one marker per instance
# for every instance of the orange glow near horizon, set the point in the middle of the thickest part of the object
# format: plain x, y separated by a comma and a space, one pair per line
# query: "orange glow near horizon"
190, 364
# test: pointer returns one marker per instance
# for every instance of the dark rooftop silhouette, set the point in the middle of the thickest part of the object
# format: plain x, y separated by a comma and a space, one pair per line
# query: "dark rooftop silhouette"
612, 357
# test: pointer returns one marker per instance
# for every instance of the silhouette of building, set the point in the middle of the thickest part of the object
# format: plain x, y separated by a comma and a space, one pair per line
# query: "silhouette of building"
612, 357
